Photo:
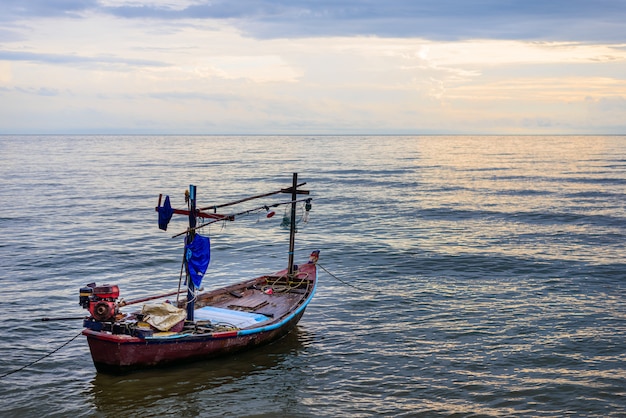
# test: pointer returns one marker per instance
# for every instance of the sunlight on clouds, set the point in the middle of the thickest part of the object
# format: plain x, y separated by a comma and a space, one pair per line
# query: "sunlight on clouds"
494, 52
6, 74
437, 67
461, 63
563, 89
259, 69
204, 51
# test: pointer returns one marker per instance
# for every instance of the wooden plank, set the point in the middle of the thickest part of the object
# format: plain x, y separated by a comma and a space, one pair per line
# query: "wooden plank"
200, 214
287, 190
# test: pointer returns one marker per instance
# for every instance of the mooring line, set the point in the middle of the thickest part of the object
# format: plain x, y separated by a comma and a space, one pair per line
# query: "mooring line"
39, 359
346, 283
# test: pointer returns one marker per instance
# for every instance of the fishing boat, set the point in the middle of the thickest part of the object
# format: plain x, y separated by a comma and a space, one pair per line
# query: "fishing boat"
201, 325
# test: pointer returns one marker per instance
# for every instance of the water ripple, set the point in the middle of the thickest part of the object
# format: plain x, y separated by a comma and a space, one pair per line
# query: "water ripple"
487, 274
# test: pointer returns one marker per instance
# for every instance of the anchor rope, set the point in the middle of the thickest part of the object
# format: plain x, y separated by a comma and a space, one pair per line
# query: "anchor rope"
346, 283
41, 358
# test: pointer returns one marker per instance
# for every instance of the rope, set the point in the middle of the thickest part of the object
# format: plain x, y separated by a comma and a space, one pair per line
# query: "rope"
41, 358
232, 216
180, 277
195, 296
346, 283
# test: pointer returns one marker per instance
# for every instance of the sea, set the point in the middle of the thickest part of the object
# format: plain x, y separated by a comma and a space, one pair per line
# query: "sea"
460, 276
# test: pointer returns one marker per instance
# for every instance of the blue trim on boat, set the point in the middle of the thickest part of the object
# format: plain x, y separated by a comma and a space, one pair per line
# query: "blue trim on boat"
167, 337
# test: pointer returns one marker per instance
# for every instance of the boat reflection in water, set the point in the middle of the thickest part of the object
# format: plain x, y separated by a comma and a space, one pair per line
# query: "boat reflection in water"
202, 388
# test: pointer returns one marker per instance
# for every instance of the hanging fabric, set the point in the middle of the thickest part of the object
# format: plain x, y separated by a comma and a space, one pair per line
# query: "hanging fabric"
165, 214
198, 256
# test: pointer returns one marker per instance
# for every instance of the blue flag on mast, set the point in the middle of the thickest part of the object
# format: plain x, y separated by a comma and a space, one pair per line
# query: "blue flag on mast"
198, 255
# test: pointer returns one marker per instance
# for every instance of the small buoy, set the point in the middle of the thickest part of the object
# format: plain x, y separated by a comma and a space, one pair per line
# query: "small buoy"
270, 214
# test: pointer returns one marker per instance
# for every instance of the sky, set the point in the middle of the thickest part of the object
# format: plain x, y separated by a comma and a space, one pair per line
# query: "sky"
307, 67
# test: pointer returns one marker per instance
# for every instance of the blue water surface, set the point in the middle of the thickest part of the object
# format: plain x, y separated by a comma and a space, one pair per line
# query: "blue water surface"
462, 276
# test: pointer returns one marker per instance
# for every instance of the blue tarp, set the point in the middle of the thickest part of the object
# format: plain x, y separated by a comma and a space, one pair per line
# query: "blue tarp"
227, 316
198, 255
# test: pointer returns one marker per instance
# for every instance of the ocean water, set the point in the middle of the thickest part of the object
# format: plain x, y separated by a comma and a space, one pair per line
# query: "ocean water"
462, 276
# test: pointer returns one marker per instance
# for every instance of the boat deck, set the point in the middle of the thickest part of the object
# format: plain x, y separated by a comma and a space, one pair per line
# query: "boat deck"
270, 296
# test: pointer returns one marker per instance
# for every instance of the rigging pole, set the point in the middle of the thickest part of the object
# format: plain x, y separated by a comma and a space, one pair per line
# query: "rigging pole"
292, 227
189, 239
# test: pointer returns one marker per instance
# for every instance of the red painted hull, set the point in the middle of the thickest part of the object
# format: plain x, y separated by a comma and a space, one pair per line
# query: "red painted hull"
122, 353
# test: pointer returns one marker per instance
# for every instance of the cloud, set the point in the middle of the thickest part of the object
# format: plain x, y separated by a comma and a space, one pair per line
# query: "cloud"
74, 59
194, 66
444, 19
13, 9
561, 20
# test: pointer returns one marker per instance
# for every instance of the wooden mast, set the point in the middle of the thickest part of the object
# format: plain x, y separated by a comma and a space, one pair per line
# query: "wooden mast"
292, 227
188, 240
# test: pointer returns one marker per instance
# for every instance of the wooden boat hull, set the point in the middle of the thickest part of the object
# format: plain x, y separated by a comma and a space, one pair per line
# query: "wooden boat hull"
121, 353
117, 355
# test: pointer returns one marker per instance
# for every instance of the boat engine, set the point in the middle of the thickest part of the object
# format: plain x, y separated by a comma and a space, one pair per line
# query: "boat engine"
101, 301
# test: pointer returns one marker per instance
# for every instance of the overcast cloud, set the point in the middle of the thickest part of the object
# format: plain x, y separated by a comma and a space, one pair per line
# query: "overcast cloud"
345, 66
